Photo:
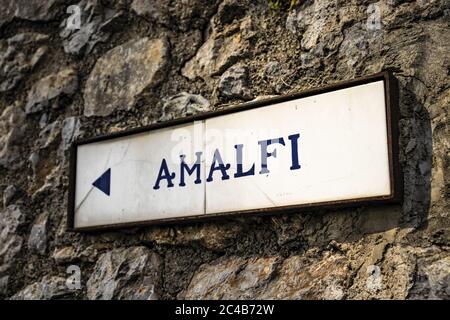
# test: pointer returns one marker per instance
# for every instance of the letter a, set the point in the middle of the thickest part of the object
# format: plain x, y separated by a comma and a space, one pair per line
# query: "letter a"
164, 173
221, 167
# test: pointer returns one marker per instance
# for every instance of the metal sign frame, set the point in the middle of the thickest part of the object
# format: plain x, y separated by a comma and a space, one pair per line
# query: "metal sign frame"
395, 172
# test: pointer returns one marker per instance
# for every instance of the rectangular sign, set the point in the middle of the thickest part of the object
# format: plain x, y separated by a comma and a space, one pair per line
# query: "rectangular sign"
335, 145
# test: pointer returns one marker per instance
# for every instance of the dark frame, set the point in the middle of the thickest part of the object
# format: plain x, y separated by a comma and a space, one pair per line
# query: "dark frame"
395, 172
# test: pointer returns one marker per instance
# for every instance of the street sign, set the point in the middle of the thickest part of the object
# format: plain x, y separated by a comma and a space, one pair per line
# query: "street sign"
332, 146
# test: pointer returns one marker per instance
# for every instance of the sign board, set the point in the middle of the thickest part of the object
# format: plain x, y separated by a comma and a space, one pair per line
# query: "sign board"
335, 145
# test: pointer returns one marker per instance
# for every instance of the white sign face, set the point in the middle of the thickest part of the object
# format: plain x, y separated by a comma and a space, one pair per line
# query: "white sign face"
330, 147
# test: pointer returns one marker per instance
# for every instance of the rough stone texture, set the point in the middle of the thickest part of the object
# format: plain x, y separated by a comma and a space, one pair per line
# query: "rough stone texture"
51, 181
65, 255
131, 273
34, 161
181, 15
276, 74
233, 278
137, 64
12, 128
234, 83
156, 11
70, 131
96, 25
123, 73
18, 56
211, 236
228, 43
269, 278
38, 235
8, 195
48, 134
4, 284
326, 278
46, 90
433, 280
11, 218
35, 10
71, 254
182, 105
49, 288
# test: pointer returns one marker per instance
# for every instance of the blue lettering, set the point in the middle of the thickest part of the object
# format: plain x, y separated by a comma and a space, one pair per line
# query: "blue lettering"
264, 154
294, 151
219, 165
239, 169
164, 173
185, 167
223, 168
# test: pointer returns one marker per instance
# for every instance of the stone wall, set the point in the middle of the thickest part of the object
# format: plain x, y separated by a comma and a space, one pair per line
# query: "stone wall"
136, 62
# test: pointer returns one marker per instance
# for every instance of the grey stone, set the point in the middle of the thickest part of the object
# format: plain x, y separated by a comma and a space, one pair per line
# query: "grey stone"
157, 11
65, 255
310, 60
288, 228
18, 56
185, 46
223, 48
296, 278
37, 240
356, 45
231, 278
70, 254
182, 105
34, 10
234, 83
127, 273
432, 279
123, 73
8, 195
277, 75
314, 21
43, 121
52, 181
49, 288
230, 11
11, 218
94, 27
47, 90
4, 284
395, 277
325, 278
70, 131
212, 236
12, 128
273, 69
34, 160
49, 134
180, 15
27, 38
191, 14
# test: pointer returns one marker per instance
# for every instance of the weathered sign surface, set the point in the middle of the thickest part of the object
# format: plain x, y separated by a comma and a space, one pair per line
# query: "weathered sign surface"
335, 145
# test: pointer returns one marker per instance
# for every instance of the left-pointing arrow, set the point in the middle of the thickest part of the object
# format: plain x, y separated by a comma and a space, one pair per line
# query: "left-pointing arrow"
103, 183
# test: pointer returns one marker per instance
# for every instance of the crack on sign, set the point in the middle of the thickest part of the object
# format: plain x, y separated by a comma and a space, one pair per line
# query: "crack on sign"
265, 194
84, 199
126, 150
92, 187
